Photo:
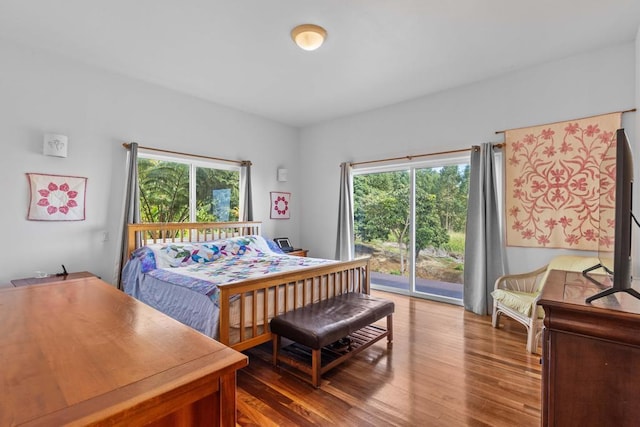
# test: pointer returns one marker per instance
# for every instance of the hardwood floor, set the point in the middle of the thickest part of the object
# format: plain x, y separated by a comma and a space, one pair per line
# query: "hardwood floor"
447, 367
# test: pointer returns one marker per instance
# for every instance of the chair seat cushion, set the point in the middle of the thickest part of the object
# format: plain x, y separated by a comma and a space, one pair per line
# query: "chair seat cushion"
522, 302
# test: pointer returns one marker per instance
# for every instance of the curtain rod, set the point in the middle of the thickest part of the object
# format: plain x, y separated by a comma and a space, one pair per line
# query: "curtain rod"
238, 162
632, 110
462, 150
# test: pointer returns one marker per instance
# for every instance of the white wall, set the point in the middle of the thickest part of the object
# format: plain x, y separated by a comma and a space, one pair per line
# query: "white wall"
99, 111
584, 85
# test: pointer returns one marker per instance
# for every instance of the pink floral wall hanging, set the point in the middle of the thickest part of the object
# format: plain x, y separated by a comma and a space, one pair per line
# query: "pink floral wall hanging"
56, 197
552, 181
280, 205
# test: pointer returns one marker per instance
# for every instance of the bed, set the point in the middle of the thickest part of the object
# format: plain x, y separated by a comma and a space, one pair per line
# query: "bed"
226, 280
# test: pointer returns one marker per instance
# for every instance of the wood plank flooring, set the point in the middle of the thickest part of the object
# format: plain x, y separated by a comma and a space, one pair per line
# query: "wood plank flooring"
447, 367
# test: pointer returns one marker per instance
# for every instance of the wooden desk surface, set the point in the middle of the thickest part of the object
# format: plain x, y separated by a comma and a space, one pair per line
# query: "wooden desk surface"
82, 352
51, 279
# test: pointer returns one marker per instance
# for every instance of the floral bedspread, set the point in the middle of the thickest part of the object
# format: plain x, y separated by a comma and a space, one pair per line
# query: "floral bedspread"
202, 267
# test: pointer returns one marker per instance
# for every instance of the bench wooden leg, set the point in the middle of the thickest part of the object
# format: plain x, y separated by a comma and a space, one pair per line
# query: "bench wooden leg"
275, 343
316, 362
390, 330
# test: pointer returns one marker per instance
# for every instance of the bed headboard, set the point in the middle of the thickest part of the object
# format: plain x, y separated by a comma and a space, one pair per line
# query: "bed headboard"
149, 233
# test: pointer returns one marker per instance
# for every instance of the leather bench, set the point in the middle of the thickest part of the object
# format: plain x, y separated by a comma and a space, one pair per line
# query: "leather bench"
320, 324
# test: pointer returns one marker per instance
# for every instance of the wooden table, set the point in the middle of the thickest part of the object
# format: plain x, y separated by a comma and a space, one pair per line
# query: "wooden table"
82, 352
51, 279
591, 355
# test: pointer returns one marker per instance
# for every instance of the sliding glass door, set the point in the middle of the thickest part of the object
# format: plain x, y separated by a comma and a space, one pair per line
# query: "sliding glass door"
411, 222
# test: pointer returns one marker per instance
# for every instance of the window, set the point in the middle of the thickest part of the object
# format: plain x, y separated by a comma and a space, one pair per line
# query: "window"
410, 219
182, 190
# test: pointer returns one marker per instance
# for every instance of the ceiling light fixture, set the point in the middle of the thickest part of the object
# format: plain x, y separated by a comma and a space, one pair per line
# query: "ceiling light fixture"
308, 36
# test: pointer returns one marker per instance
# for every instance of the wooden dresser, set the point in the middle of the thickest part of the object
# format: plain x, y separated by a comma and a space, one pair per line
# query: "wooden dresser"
590, 355
81, 352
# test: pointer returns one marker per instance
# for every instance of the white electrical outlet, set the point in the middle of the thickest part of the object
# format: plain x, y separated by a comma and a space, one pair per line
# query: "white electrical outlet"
105, 236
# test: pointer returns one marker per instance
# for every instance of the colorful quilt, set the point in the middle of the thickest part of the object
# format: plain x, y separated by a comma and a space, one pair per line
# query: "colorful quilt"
201, 267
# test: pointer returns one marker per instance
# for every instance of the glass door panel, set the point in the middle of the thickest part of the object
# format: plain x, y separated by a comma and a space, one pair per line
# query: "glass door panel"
382, 212
440, 212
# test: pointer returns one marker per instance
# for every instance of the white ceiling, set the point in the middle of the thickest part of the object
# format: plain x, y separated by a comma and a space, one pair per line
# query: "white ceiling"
378, 52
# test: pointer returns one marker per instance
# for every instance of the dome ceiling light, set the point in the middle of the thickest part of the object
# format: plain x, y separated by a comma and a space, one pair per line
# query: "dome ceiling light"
308, 36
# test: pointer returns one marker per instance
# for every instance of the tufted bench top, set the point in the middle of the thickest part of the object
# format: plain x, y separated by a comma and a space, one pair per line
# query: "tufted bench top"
324, 322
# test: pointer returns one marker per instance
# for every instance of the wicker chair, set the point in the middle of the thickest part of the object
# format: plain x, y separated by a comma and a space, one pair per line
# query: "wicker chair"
517, 295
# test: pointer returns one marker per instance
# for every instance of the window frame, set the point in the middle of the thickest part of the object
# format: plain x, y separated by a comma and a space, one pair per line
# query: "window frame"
193, 165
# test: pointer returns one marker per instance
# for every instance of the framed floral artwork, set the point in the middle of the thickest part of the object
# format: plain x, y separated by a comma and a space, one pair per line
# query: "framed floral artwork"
56, 197
280, 205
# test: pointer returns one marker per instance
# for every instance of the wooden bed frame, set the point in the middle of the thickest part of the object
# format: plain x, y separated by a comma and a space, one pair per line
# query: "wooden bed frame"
285, 292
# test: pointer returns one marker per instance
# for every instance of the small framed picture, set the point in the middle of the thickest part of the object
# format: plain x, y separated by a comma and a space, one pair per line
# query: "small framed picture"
280, 205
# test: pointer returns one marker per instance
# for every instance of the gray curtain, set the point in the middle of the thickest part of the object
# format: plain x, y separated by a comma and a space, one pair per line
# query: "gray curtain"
344, 245
247, 199
131, 204
484, 254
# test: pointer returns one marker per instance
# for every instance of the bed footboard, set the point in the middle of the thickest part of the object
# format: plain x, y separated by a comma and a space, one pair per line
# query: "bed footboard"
259, 300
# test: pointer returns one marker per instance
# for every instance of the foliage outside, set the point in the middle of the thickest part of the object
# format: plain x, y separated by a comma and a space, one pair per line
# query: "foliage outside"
382, 214
164, 192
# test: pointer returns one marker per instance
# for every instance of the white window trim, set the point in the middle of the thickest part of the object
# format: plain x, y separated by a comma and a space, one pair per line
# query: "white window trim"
193, 164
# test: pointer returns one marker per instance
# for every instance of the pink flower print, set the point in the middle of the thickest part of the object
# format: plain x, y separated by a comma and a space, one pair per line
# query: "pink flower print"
517, 146
556, 195
550, 223
572, 239
514, 211
565, 148
543, 240
547, 133
513, 160
517, 226
590, 235
571, 128
538, 186
579, 184
518, 193
281, 209
592, 130
518, 182
565, 222
550, 151
606, 241
557, 175
605, 136
611, 223
527, 234
529, 139
58, 198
